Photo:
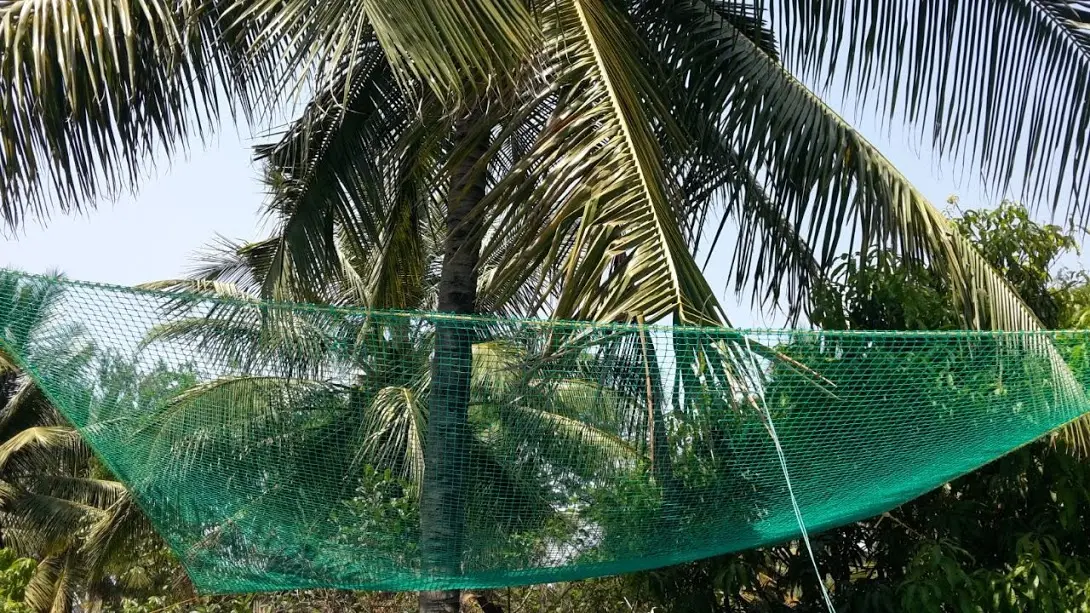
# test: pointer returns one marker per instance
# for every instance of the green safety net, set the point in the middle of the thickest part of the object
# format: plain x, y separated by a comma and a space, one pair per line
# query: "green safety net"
278, 446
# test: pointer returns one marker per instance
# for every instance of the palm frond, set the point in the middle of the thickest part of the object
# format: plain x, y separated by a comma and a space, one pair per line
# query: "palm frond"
771, 257
751, 19
597, 176
229, 413
245, 338
227, 269
25, 307
189, 291
395, 431
66, 593
122, 529
998, 85
41, 590
551, 410
497, 366
822, 174
544, 439
353, 184
43, 449
94, 89
38, 523
770, 254
323, 172
54, 586
27, 407
86, 491
528, 501
454, 50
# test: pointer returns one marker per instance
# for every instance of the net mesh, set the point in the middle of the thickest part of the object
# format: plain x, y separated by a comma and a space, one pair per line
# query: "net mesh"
280, 446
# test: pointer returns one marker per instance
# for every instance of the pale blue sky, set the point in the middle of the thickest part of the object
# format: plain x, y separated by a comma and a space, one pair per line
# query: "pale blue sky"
154, 234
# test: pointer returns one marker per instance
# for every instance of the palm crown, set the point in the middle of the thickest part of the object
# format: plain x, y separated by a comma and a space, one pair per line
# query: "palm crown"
618, 133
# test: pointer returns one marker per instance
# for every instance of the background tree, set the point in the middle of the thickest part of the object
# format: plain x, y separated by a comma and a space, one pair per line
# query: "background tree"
1004, 538
86, 542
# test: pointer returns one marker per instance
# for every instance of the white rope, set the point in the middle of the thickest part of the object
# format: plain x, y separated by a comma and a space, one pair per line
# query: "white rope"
791, 490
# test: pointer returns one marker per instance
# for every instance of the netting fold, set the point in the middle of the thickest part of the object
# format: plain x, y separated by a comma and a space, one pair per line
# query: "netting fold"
279, 446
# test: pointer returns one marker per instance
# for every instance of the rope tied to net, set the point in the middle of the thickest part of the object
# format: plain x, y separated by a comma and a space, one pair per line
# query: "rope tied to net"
771, 427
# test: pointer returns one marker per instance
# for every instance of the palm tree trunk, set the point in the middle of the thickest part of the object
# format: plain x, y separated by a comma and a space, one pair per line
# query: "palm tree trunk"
8, 380
442, 498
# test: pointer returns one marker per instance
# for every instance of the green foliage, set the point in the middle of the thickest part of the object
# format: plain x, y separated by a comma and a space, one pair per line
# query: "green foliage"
1009, 537
988, 541
15, 574
382, 508
883, 292
878, 290
1025, 253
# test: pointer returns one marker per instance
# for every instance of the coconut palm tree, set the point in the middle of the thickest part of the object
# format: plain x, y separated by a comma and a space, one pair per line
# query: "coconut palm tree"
47, 497
58, 503
581, 147
356, 386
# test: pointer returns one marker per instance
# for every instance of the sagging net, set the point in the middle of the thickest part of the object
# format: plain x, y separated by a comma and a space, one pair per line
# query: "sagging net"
280, 446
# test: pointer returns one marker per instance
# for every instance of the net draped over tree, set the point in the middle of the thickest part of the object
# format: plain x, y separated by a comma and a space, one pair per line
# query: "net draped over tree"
294, 456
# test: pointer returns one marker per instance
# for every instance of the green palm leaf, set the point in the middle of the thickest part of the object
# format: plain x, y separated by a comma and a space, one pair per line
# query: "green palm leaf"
996, 85
395, 431
458, 51
229, 412
244, 339
27, 407
593, 197
87, 491
113, 537
44, 447
40, 523
92, 89
823, 174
